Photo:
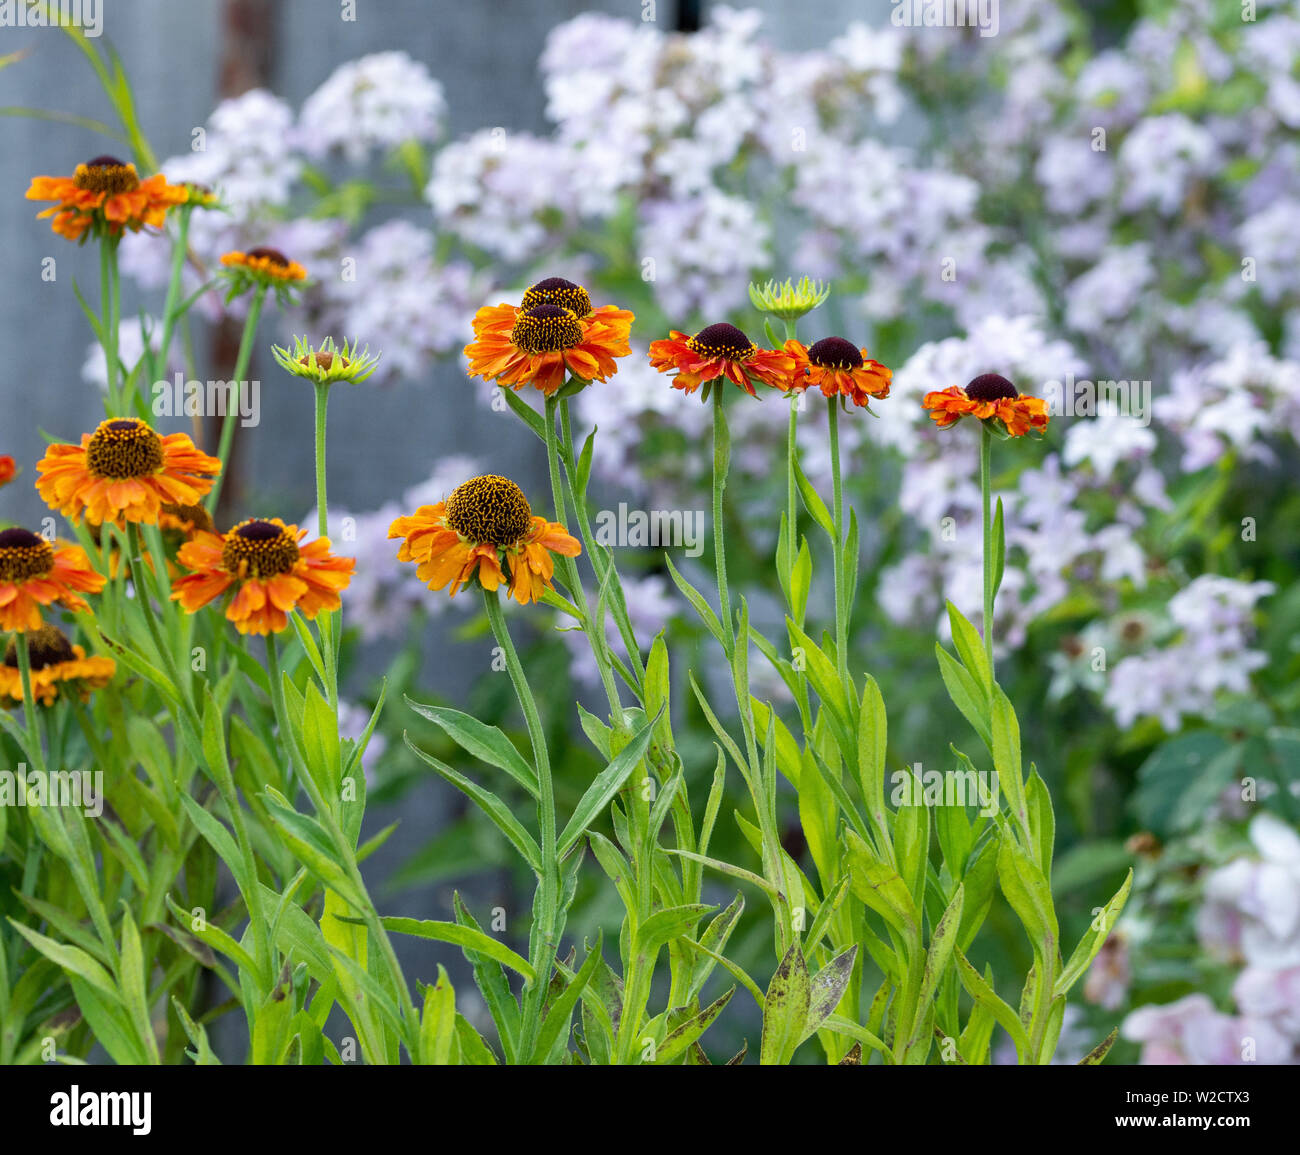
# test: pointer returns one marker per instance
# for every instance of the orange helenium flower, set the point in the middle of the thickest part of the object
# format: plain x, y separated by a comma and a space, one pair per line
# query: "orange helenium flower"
267, 265
720, 351
269, 571
57, 666
34, 573
483, 521
124, 471
105, 193
553, 333
836, 366
8, 469
988, 397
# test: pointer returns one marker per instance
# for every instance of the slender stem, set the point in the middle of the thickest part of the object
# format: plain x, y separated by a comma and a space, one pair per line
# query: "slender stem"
326, 623
110, 305
721, 462
599, 644
174, 286
791, 447
986, 458
241, 368
599, 563
837, 518
29, 703
322, 507
549, 908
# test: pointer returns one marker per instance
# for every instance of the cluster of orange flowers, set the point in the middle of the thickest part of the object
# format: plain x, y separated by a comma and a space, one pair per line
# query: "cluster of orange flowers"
485, 531
126, 473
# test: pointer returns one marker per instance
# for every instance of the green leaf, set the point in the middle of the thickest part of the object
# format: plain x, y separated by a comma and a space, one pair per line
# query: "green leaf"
1027, 891
557, 1020
474, 941
1042, 822
1006, 758
983, 993
487, 743
1098, 1054
939, 955
490, 804
1098, 931
879, 886
666, 925
677, 1040
970, 648
964, 691
701, 607
785, 1009
438, 1022
827, 988
604, 786
812, 501
999, 549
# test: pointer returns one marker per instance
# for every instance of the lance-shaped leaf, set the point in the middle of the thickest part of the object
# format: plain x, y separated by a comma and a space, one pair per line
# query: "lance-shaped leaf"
785, 1009
484, 742
879, 886
679, 1039
605, 785
1092, 941
826, 989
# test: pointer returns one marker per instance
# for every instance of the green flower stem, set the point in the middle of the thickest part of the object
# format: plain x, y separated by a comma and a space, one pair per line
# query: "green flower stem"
111, 307
837, 518
29, 703
791, 510
241, 367
569, 567
328, 624
605, 568
721, 463
986, 470
179, 253
549, 906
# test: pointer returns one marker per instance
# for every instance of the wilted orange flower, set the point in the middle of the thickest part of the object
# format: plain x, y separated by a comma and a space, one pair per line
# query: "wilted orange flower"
554, 332
34, 573
720, 351
57, 667
105, 193
836, 366
269, 571
124, 471
989, 397
485, 520
8, 469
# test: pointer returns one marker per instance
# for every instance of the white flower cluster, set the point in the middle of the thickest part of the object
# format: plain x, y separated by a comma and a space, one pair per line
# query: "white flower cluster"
1251, 914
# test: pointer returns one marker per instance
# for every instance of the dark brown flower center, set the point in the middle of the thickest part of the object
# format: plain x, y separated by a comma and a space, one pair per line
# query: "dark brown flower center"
835, 353
323, 361
991, 387
722, 340
259, 549
24, 555
546, 329
123, 448
489, 509
558, 291
273, 255
106, 174
47, 647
